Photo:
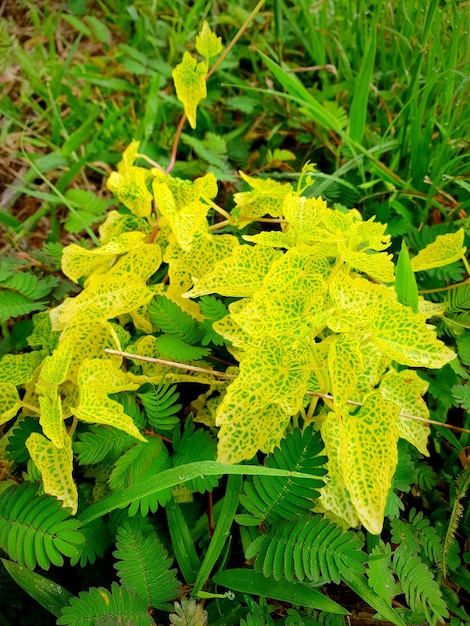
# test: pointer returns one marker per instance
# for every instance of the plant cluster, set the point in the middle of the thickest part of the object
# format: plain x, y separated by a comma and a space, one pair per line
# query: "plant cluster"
241, 398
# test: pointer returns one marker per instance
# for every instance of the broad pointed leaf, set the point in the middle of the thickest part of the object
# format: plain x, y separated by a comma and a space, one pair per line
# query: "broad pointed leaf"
444, 250
190, 84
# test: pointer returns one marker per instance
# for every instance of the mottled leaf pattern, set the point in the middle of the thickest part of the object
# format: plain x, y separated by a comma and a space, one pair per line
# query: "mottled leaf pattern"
207, 43
345, 364
190, 84
10, 402
98, 378
55, 465
129, 183
266, 198
444, 250
406, 389
368, 457
19, 369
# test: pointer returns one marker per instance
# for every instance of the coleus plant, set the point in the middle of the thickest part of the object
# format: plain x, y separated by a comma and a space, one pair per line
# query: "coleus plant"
322, 327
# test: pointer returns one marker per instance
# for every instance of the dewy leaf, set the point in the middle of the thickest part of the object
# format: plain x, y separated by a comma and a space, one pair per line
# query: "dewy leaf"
266, 198
55, 466
207, 43
96, 379
406, 389
405, 337
368, 457
78, 262
345, 364
129, 183
10, 402
190, 84
19, 369
444, 250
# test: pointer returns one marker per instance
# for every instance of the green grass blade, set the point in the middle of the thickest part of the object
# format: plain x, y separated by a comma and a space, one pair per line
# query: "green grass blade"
182, 543
47, 593
405, 281
175, 476
249, 581
358, 111
222, 529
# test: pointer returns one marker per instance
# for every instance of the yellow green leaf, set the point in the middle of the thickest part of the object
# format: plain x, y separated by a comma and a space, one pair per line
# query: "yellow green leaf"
10, 402
97, 378
207, 43
405, 337
241, 274
190, 84
368, 457
375, 365
266, 198
129, 183
444, 250
78, 262
345, 365
334, 496
51, 418
19, 369
252, 431
55, 368
186, 266
406, 389
117, 224
304, 214
271, 373
379, 266
55, 465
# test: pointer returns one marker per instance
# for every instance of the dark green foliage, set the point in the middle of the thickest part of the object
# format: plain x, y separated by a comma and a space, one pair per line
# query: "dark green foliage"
421, 590
16, 446
98, 606
36, 530
312, 548
143, 565
419, 536
287, 498
161, 405
170, 319
174, 349
101, 443
195, 445
213, 309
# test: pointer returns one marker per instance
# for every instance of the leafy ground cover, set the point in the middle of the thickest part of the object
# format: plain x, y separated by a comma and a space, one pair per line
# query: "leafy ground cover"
314, 310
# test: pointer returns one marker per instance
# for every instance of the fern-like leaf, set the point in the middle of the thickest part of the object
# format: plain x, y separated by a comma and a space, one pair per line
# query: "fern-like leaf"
287, 498
101, 443
175, 349
14, 304
458, 299
36, 529
16, 446
461, 394
380, 573
312, 548
98, 606
213, 310
161, 405
172, 320
421, 590
195, 445
144, 567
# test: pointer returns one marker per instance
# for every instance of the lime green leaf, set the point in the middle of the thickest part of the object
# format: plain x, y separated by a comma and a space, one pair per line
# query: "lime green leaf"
190, 84
304, 214
368, 457
78, 262
266, 198
242, 438
345, 364
55, 367
405, 337
405, 281
97, 378
117, 224
129, 183
207, 43
378, 266
55, 465
51, 419
406, 389
19, 369
444, 250
9, 401
241, 274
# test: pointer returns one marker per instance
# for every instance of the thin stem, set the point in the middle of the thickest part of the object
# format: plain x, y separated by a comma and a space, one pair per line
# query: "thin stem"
181, 366
447, 288
323, 396
176, 141
244, 26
